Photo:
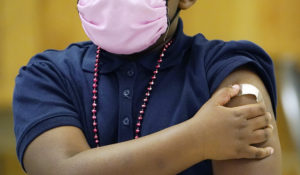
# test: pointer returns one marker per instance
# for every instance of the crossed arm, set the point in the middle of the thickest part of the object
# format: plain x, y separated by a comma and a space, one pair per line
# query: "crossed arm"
64, 150
269, 165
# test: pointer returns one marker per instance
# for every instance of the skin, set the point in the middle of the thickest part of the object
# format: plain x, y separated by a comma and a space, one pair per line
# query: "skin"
246, 133
64, 150
269, 165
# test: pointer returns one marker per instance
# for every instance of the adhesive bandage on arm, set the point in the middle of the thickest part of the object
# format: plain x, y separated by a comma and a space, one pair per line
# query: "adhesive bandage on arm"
248, 89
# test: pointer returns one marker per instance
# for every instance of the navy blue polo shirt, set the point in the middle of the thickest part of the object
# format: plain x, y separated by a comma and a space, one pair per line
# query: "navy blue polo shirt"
55, 88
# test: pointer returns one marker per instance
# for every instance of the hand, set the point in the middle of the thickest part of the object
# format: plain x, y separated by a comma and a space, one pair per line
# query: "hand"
229, 133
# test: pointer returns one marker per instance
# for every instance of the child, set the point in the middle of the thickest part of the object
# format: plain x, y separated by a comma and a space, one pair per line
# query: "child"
143, 98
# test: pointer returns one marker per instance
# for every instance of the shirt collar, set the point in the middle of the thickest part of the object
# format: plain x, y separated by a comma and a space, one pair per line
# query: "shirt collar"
110, 62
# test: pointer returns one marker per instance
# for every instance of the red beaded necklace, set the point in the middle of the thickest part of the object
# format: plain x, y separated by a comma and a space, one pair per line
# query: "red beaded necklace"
145, 100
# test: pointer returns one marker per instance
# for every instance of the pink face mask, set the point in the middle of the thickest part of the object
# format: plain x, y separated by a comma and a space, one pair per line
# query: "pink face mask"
123, 26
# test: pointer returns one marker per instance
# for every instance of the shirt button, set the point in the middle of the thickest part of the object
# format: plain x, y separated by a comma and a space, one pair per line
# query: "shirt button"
126, 121
130, 72
126, 93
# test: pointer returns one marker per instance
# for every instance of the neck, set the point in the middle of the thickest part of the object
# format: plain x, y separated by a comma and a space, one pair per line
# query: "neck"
159, 43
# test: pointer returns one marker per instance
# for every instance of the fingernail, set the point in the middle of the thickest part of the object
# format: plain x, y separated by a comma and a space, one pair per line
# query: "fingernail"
236, 87
271, 150
270, 116
271, 126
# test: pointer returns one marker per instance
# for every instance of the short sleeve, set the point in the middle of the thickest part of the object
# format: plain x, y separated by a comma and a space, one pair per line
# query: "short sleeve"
227, 57
41, 101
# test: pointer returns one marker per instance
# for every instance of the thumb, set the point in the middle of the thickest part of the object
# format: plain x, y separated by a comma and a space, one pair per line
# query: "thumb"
224, 95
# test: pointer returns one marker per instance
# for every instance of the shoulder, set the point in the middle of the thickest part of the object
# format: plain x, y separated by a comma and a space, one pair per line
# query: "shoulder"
219, 59
72, 50
46, 93
71, 57
217, 49
219, 56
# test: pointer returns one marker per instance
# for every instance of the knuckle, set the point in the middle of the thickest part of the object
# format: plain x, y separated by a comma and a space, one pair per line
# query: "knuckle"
228, 89
258, 154
241, 137
250, 154
263, 136
268, 118
259, 122
227, 98
261, 108
239, 150
251, 110
267, 133
225, 91
237, 113
243, 124
260, 136
227, 94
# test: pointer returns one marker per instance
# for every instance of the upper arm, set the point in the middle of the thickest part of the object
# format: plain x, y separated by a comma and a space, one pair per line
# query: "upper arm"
43, 101
269, 165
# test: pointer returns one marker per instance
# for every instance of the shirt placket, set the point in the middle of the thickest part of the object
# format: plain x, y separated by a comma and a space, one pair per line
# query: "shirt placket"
126, 78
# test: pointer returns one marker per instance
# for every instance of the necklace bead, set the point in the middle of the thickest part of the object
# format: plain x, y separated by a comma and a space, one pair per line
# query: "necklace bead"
145, 100
140, 117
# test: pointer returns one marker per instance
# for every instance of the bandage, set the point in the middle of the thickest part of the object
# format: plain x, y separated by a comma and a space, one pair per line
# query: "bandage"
248, 89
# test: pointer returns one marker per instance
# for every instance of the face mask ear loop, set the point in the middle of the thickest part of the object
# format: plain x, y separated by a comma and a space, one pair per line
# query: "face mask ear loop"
167, 31
168, 20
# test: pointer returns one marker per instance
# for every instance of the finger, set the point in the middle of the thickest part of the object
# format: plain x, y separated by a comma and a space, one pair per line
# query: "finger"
224, 95
261, 135
260, 121
250, 111
260, 153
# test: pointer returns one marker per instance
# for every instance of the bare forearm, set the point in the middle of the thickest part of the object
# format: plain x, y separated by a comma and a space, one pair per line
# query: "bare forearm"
166, 152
